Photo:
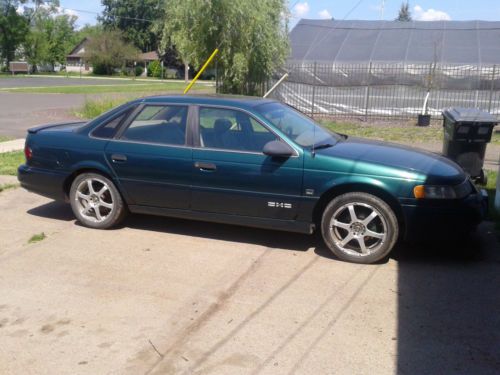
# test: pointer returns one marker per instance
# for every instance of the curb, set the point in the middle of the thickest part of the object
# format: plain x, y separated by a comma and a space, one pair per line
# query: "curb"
14, 145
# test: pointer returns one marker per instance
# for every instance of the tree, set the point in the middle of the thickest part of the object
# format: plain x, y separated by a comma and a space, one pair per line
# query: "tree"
108, 51
13, 29
252, 37
135, 18
51, 37
88, 31
404, 13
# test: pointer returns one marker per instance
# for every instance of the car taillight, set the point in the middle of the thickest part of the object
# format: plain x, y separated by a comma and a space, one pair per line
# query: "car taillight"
28, 152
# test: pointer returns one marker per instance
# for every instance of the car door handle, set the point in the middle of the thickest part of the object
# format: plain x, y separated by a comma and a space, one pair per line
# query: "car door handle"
205, 166
118, 158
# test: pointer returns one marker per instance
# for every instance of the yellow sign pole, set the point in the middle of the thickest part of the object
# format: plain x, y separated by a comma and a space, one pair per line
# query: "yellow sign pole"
201, 70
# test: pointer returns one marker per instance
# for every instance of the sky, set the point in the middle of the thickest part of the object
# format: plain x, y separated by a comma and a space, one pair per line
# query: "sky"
424, 10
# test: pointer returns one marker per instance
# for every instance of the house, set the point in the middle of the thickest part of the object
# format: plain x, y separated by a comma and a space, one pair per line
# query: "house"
75, 61
148, 57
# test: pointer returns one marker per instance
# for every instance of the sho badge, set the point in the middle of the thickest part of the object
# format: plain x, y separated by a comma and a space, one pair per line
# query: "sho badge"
279, 205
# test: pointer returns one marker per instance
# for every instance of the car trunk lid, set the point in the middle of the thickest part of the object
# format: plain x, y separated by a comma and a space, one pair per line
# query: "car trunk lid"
68, 126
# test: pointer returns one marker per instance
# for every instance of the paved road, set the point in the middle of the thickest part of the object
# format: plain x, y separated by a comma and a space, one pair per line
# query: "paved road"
60, 81
164, 296
21, 111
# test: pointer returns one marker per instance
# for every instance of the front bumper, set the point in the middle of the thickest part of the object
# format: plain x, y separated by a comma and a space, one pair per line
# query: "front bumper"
425, 217
45, 182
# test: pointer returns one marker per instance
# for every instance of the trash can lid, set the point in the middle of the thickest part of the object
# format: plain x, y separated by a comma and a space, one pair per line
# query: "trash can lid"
469, 115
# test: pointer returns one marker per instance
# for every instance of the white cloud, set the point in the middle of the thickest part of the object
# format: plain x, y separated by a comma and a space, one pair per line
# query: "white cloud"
59, 11
69, 12
300, 9
430, 14
324, 14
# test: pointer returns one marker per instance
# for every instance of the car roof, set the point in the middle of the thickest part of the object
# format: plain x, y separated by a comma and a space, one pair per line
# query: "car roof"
215, 99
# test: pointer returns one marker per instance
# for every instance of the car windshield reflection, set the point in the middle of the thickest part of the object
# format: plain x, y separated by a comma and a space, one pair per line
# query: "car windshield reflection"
299, 128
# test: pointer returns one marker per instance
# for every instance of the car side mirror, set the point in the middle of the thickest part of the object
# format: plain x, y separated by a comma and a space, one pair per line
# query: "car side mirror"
278, 149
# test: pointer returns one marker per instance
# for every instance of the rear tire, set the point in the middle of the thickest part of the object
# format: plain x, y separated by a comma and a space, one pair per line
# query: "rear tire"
96, 202
359, 227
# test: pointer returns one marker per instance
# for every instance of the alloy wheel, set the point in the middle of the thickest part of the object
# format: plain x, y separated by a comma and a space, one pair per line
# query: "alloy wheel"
358, 229
94, 200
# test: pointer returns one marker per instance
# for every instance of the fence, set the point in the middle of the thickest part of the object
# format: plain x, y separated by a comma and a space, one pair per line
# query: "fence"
388, 90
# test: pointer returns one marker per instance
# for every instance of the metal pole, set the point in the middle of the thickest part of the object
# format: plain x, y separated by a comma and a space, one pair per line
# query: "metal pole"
314, 89
497, 194
367, 91
492, 86
275, 86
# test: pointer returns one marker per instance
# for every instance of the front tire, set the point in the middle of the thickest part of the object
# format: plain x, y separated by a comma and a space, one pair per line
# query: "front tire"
96, 202
359, 227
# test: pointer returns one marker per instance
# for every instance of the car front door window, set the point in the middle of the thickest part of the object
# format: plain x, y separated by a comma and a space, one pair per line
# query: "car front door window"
233, 130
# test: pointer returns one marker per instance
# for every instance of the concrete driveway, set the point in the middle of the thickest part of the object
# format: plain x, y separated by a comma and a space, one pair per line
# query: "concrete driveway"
165, 296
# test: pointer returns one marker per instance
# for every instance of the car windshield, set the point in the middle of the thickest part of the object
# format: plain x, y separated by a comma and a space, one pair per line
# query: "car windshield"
298, 127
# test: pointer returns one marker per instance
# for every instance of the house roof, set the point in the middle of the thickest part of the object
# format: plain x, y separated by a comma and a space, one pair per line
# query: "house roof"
149, 56
452, 42
74, 52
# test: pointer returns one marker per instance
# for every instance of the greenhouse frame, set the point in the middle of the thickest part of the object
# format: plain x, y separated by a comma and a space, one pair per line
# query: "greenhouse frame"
391, 68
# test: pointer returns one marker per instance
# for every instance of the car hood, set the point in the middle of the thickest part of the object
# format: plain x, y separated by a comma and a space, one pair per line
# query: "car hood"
436, 168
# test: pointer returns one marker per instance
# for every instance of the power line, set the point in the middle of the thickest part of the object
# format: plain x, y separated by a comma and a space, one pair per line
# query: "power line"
353, 9
98, 13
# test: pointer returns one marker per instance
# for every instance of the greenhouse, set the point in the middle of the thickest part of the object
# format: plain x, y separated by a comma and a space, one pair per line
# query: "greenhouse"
391, 68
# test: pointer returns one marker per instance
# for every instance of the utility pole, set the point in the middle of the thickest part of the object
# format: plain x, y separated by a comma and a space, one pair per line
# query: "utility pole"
382, 9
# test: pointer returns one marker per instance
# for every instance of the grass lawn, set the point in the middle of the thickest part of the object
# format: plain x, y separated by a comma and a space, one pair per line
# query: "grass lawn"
37, 237
3, 138
394, 133
8, 186
95, 107
126, 88
491, 189
9, 161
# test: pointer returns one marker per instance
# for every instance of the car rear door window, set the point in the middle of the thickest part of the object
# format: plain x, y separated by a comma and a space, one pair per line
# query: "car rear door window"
229, 129
109, 129
163, 124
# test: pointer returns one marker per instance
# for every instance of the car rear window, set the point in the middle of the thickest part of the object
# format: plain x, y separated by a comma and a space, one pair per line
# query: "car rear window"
109, 129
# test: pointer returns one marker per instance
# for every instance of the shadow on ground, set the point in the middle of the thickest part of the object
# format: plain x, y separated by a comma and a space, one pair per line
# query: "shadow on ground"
448, 290
449, 306
53, 210
200, 229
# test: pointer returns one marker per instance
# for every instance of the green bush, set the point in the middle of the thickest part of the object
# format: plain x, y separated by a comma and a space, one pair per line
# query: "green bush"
101, 69
138, 71
170, 73
154, 69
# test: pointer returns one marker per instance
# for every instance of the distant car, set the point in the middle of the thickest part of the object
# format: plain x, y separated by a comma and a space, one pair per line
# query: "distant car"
252, 162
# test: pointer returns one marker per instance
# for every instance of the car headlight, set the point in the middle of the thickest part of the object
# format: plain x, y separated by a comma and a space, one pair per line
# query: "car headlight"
443, 191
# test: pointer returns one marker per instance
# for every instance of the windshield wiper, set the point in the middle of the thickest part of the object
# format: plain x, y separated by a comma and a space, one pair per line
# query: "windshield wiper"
323, 145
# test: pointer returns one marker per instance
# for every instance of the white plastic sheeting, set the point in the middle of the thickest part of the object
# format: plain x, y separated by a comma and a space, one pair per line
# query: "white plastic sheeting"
387, 68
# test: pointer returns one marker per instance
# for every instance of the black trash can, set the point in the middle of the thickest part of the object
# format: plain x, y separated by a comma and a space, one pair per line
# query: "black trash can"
466, 133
